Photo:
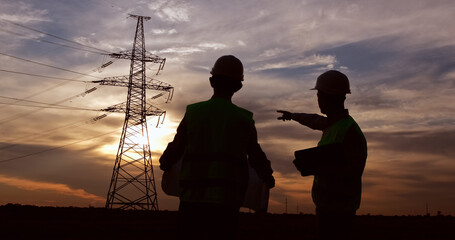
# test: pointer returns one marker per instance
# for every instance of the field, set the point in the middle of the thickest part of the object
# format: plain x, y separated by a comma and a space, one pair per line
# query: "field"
31, 222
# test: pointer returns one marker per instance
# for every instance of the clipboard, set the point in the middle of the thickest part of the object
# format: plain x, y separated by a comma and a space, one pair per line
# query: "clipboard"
310, 161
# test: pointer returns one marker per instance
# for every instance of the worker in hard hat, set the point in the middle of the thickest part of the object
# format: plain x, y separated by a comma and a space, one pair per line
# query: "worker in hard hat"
336, 188
217, 140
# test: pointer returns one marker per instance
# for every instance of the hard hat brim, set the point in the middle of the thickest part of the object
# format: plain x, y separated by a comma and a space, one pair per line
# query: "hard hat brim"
348, 92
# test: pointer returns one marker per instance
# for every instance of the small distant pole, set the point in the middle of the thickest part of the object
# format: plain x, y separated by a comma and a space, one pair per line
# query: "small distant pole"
428, 213
286, 205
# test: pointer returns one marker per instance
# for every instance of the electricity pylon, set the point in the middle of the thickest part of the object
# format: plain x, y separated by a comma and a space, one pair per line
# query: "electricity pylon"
133, 183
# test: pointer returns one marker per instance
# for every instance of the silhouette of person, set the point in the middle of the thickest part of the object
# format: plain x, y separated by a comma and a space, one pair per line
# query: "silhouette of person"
336, 188
217, 141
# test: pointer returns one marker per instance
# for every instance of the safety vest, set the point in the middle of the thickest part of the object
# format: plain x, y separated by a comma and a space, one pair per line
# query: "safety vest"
214, 167
338, 192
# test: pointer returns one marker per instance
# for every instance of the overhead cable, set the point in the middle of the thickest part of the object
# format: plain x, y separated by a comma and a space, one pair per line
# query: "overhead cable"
46, 41
42, 64
53, 148
19, 140
42, 76
52, 35
98, 69
41, 107
46, 105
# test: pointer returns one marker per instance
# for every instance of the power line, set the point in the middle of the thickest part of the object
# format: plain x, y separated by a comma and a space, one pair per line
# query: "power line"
46, 41
42, 64
52, 35
46, 105
43, 76
17, 141
58, 85
41, 107
40, 92
52, 149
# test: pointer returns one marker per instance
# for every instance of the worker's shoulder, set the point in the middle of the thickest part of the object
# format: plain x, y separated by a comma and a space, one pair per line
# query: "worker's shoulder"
197, 105
243, 111
220, 104
353, 124
354, 130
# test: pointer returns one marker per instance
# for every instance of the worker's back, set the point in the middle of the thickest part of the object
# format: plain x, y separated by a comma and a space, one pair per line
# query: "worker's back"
341, 188
218, 126
214, 168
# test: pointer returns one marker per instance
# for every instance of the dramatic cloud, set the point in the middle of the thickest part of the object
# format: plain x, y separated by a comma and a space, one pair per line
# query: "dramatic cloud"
173, 11
306, 61
23, 12
47, 186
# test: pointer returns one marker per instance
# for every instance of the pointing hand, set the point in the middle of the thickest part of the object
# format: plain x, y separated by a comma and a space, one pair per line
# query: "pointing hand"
286, 115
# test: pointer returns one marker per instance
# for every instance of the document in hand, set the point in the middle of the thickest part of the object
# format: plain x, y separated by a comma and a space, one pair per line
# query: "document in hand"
256, 196
311, 160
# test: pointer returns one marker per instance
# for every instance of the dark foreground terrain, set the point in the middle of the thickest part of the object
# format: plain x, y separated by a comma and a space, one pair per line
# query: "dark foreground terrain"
30, 222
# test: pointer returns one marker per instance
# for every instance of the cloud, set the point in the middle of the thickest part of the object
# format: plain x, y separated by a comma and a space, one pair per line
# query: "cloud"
23, 12
425, 142
164, 31
212, 46
172, 11
79, 166
391, 179
58, 188
182, 51
315, 59
199, 48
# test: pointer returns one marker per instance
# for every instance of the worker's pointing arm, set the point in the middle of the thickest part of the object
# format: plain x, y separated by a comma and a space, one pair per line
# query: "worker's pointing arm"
313, 121
286, 115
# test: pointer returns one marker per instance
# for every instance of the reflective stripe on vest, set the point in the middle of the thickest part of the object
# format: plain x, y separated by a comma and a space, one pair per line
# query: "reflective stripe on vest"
215, 156
341, 192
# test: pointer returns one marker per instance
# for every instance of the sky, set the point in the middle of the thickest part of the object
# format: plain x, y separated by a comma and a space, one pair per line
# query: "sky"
398, 55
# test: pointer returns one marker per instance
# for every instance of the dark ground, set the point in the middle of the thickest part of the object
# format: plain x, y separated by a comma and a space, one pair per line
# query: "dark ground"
30, 222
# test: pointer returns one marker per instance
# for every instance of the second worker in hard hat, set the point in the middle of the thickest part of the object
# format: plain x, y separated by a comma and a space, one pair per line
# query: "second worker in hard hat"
217, 140
339, 159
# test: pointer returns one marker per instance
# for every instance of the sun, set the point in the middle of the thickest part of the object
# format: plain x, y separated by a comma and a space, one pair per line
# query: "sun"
158, 137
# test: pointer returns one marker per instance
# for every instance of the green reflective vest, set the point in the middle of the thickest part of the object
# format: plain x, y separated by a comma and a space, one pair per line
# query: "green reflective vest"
214, 168
338, 191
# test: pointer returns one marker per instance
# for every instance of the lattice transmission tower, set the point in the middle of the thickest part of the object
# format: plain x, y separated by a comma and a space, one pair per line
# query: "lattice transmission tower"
133, 183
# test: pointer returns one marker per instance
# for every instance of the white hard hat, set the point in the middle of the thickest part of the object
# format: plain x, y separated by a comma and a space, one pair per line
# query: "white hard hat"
229, 66
333, 82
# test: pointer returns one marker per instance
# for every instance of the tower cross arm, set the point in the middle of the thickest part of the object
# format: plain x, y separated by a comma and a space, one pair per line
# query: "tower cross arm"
148, 57
123, 81
117, 108
146, 18
154, 84
154, 111
121, 108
